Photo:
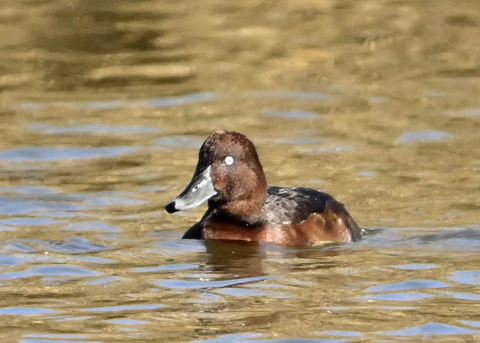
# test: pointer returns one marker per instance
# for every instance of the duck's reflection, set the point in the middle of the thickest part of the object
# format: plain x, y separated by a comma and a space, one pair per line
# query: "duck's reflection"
247, 259
235, 257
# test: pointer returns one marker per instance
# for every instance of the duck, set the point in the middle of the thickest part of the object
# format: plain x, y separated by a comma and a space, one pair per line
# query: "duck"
242, 207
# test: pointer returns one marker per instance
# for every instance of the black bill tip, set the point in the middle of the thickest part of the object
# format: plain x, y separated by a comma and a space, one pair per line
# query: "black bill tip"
170, 207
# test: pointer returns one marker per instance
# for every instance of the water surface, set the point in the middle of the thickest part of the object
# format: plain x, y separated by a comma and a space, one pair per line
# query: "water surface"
105, 104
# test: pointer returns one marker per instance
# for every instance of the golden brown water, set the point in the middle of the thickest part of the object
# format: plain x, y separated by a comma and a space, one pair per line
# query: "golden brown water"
105, 103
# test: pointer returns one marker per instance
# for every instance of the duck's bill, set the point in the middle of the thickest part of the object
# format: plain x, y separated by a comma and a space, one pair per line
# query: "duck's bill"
199, 189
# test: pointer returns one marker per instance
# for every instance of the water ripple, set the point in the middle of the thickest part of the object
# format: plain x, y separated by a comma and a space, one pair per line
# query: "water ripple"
291, 114
30, 190
92, 129
425, 136
431, 329
50, 270
126, 321
330, 149
236, 291
253, 338
163, 268
71, 245
180, 142
92, 226
23, 221
181, 100
398, 296
342, 333
37, 154
408, 285
466, 112
463, 296
55, 338
471, 323
124, 308
292, 95
416, 266
117, 104
24, 311
22, 205
469, 277
185, 284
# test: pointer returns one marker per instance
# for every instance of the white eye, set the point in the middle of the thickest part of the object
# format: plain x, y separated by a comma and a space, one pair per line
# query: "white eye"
229, 160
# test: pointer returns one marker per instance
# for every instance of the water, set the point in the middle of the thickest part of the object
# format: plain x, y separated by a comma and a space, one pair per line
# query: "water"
101, 121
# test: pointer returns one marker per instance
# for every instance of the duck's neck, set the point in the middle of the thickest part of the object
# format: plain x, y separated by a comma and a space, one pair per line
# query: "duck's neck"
247, 211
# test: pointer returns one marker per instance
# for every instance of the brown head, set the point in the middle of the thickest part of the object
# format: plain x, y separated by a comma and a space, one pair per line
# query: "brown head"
229, 175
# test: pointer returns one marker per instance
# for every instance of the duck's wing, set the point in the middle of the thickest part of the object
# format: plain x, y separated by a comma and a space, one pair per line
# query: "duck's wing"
295, 204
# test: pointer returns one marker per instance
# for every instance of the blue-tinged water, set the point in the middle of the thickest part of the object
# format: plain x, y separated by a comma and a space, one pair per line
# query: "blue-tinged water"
92, 246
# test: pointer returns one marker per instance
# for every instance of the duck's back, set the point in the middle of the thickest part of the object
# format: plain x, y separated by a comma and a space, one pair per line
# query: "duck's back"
293, 204
318, 214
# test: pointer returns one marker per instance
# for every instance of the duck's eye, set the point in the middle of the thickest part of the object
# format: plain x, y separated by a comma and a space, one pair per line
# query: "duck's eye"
229, 160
